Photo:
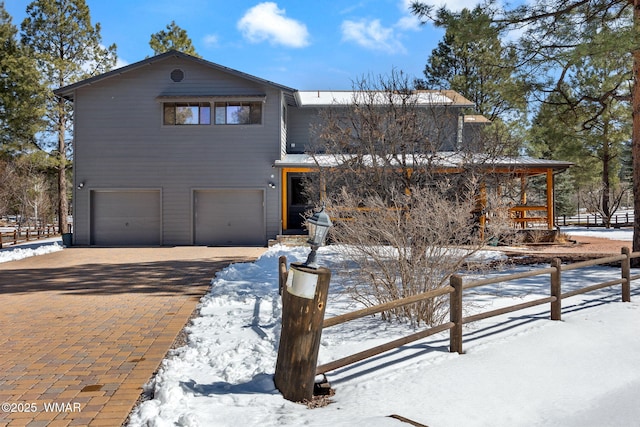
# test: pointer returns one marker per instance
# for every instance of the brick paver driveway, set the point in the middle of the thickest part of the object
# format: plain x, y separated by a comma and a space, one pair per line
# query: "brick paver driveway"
81, 330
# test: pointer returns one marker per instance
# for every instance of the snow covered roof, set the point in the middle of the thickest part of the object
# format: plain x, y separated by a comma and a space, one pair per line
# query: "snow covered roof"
443, 159
318, 98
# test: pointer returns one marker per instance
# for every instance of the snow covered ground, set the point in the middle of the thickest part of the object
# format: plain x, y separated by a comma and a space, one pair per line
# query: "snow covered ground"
625, 234
520, 369
33, 248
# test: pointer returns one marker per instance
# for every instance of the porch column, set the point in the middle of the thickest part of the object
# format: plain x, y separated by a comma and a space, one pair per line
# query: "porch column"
550, 190
523, 199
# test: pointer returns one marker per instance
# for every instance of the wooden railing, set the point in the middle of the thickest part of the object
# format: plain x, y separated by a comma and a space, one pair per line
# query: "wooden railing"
521, 218
14, 237
456, 290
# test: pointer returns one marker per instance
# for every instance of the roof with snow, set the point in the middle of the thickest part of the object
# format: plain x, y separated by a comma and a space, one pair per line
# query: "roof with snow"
440, 159
321, 98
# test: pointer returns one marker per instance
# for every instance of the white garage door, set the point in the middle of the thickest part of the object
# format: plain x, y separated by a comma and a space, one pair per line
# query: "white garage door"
229, 217
121, 218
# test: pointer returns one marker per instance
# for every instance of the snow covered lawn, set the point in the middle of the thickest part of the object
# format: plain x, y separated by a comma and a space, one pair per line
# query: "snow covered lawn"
520, 369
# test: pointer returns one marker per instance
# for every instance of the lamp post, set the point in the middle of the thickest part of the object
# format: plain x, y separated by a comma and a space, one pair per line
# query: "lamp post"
318, 226
304, 299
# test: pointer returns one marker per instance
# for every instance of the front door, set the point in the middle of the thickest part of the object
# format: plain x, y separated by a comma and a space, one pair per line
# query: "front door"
297, 202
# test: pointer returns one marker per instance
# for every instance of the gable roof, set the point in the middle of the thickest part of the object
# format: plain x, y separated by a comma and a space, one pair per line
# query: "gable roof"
67, 92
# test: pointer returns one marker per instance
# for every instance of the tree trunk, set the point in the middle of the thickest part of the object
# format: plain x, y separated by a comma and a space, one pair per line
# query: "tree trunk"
63, 204
606, 182
635, 138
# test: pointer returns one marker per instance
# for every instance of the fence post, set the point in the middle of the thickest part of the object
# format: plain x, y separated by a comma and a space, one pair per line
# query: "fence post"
15, 237
556, 289
626, 274
303, 304
282, 273
455, 314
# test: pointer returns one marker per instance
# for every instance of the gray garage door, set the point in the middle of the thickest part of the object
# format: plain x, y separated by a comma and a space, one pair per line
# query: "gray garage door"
229, 217
121, 218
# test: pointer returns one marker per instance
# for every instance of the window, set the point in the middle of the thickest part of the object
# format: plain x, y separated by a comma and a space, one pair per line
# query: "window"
187, 113
238, 113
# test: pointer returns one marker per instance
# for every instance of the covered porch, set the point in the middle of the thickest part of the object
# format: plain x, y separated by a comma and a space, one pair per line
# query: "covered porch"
524, 212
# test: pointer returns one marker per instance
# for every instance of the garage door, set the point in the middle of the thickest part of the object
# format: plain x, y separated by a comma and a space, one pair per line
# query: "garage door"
125, 218
229, 217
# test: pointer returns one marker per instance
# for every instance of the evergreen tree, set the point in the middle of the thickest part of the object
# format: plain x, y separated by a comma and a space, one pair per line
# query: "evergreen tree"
67, 48
592, 96
21, 93
560, 35
174, 38
472, 60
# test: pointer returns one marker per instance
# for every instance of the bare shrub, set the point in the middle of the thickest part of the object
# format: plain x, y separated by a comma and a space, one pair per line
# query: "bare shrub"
410, 243
605, 201
409, 199
402, 252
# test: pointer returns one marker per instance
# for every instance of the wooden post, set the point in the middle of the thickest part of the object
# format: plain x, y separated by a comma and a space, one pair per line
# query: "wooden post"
626, 274
303, 305
455, 314
15, 237
282, 273
550, 208
556, 289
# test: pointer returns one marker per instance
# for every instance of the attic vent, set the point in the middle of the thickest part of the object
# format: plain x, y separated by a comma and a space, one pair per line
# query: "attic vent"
177, 75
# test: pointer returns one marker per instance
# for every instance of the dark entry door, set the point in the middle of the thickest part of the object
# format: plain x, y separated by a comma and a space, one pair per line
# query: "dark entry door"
297, 201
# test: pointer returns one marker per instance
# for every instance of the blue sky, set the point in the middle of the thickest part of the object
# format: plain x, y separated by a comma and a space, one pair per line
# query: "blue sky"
306, 45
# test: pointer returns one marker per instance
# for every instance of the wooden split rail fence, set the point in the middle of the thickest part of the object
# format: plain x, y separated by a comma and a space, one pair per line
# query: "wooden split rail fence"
456, 290
14, 237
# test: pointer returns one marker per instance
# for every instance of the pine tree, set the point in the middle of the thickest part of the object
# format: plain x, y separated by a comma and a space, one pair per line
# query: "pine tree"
174, 38
67, 48
472, 60
559, 35
21, 93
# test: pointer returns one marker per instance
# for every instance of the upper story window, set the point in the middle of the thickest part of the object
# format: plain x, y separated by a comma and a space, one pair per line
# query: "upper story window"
238, 113
187, 113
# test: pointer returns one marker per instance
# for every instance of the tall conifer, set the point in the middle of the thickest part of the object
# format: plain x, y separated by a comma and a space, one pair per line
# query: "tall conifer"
67, 48
21, 92
173, 38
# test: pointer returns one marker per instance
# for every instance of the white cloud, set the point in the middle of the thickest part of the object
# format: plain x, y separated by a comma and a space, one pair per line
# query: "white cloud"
265, 22
210, 40
121, 63
408, 21
452, 5
372, 35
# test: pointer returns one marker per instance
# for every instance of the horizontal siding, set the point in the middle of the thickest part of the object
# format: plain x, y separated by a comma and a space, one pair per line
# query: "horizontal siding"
303, 120
120, 143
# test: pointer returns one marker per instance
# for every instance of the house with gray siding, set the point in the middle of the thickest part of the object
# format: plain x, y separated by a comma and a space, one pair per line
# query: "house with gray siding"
177, 150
